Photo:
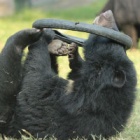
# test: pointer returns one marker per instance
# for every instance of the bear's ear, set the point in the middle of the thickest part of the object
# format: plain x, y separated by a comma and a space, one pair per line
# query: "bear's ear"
119, 79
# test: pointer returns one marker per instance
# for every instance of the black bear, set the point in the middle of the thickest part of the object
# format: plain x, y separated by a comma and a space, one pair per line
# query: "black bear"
34, 98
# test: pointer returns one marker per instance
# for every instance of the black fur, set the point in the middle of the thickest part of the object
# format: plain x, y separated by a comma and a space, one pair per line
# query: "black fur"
75, 65
100, 103
10, 72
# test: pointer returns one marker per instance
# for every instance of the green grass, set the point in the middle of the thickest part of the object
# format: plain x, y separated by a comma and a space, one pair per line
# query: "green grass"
24, 19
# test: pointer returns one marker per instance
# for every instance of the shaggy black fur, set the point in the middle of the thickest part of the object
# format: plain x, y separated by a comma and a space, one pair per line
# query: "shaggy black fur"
100, 102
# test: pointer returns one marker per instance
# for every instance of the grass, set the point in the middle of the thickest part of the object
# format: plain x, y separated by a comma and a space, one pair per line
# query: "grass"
24, 19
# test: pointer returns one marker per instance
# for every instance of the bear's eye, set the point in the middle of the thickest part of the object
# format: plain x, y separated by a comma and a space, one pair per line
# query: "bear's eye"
97, 66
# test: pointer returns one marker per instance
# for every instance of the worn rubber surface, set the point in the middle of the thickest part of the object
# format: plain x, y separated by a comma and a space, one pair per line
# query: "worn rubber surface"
84, 27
